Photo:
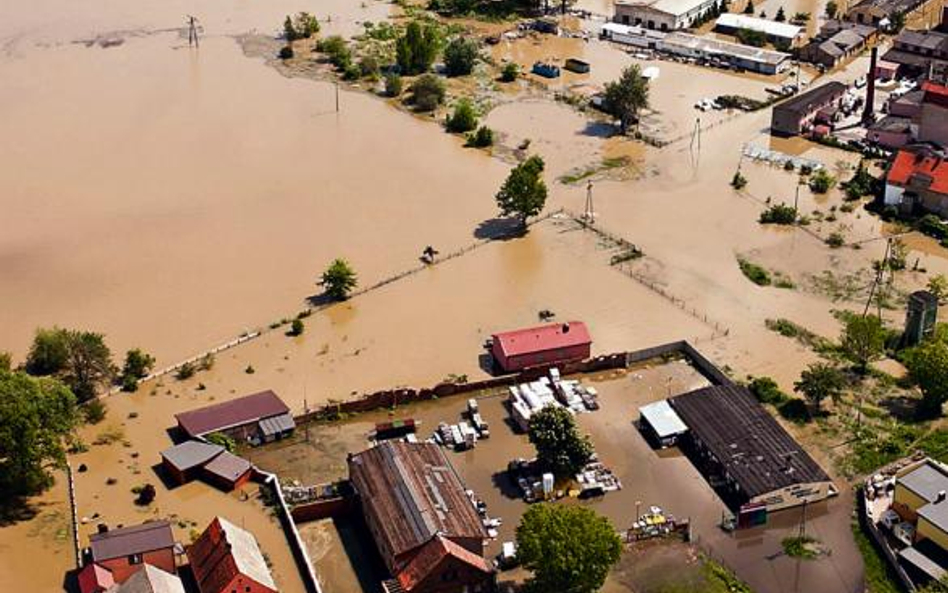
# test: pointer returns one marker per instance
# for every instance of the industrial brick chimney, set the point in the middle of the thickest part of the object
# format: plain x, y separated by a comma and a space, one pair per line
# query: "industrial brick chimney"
868, 115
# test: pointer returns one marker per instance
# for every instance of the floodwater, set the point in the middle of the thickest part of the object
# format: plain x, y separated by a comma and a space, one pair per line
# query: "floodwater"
666, 478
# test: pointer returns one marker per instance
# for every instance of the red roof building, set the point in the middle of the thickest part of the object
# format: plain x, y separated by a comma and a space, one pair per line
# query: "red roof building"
124, 551
933, 114
94, 579
918, 180
260, 417
543, 345
441, 558
227, 558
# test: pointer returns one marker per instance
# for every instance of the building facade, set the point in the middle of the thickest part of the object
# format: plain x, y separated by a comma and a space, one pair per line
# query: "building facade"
227, 558
798, 115
542, 345
661, 15
917, 181
124, 551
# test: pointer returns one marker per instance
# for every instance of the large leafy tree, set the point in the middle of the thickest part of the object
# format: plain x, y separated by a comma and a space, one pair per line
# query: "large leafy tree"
570, 549
459, 56
561, 449
36, 416
80, 359
415, 51
138, 364
625, 97
523, 193
338, 280
863, 340
820, 381
927, 364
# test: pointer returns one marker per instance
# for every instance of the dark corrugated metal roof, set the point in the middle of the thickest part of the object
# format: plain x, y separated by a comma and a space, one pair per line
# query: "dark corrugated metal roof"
138, 539
813, 99
237, 412
755, 450
412, 493
191, 454
277, 425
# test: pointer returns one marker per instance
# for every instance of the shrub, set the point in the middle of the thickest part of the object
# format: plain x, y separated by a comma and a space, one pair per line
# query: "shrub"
821, 182
794, 410
427, 92
336, 50
146, 495
766, 391
137, 366
296, 328
94, 411
351, 72
482, 138
221, 439
738, 182
393, 85
185, 371
463, 119
754, 273
286, 52
369, 67
303, 26
778, 214
250, 370
751, 37
459, 56
835, 240
510, 72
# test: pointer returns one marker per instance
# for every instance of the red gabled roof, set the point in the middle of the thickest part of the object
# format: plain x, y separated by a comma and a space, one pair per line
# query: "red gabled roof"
237, 412
431, 555
921, 165
94, 578
935, 93
543, 337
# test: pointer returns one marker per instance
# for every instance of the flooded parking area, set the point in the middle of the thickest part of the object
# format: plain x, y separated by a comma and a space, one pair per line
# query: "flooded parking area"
665, 478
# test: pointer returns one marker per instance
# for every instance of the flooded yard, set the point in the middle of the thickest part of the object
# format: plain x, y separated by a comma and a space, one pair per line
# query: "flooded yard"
663, 478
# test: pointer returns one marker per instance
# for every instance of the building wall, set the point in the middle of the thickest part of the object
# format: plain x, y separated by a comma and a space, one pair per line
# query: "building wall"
530, 359
786, 122
123, 568
794, 495
926, 530
225, 484
645, 16
893, 197
454, 576
888, 139
243, 584
933, 124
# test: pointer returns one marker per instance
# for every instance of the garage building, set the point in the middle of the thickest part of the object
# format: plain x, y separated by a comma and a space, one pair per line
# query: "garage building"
542, 345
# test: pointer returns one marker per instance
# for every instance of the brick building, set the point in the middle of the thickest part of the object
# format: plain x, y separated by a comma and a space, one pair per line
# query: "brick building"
227, 558
124, 551
546, 344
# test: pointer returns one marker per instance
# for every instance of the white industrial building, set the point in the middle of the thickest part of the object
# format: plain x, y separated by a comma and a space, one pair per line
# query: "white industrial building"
663, 15
782, 33
743, 57
632, 35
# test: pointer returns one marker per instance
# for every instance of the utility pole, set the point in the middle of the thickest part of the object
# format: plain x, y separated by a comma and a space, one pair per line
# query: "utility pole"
803, 522
337, 97
796, 199
589, 214
193, 32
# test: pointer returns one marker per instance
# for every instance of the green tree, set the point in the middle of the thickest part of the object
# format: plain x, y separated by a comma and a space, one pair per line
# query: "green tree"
415, 51
427, 92
482, 138
561, 449
306, 25
821, 181
898, 22
749, 7
219, 438
393, 85
6, 362
459, 56
338, 280
862, 340
138, 364
625, 97
80, 359
938, 286
751, 37
832, 9
781, 15
36, 416
927, 364
524, 192
820, 381
738, 182
297, 328
570, 549
289, 30
509, 72
463, 119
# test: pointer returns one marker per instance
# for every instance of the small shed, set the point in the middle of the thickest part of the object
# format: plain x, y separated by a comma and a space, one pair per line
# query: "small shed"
660, 423
227, 471
184, 462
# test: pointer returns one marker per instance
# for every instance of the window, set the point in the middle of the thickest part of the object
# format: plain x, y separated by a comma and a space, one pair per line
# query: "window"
135, 559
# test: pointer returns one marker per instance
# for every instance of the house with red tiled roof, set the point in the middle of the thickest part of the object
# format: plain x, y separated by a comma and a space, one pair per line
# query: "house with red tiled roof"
917, 181
545, 344
933, 115
124, 551
227, 558
442, 566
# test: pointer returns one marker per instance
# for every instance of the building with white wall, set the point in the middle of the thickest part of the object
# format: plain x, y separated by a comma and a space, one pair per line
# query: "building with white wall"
662, 15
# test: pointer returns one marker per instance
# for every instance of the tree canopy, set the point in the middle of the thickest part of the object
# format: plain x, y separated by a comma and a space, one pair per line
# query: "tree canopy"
524, 192
820, 381
79, 358
415, 51
570, 549
36, 415
338, 280
625, 97
862, 340
927, 364
427, 92
460, 56
561, 449
138, 364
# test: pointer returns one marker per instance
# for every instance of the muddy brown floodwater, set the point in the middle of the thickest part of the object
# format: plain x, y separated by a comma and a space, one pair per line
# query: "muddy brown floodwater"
317, 454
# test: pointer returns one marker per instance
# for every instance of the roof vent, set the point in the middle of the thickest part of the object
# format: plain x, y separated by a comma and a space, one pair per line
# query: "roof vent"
940, 497
103, 528
565, 328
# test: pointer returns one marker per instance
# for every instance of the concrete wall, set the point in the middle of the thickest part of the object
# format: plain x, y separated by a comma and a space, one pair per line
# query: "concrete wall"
321, 509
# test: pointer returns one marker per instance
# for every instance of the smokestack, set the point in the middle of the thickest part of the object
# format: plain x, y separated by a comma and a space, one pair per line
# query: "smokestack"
867, 115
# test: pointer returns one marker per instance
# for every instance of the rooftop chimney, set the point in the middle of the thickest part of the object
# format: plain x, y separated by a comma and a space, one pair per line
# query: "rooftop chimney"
867, 115
102, 528
565, 328
940, 497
